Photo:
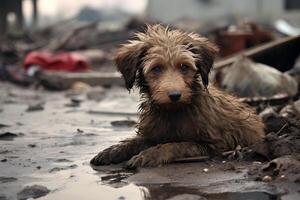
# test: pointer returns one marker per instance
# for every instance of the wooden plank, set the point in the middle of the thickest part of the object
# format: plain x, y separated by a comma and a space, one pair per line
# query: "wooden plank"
65, 80
256, 52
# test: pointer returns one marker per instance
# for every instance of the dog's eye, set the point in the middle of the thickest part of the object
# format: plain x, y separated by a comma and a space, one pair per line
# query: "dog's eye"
156, 69
184, 67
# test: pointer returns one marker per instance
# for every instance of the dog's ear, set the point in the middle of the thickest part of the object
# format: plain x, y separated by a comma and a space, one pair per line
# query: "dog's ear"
205, 53
128, 58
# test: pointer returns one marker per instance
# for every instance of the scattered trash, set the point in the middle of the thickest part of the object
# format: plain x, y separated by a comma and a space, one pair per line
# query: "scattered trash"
80, 87
267, 179
286, 28
240, 37
249, 79
57, 62
285, 167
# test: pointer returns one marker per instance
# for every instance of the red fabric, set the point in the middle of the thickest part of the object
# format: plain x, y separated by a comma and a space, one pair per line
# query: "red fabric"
59, 62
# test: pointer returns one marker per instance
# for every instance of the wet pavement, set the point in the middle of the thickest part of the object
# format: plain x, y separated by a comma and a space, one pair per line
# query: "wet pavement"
48, 138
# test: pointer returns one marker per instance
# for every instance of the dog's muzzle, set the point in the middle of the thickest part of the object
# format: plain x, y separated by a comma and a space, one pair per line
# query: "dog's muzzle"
174, 96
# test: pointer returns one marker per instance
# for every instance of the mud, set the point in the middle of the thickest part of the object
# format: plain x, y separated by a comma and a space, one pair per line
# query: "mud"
56, 144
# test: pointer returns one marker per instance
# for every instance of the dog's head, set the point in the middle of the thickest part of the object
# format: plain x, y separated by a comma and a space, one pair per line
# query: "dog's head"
168, 65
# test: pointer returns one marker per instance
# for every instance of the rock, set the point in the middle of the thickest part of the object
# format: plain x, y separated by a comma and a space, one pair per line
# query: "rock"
34, 191
96, 94
4, 125
37, 106
187, 197
4, 179
9, 135
249, 79
285, 164
59, 160
56, 169
80, 87
267, 113
285, 167
123, 123
3, 197
267, 179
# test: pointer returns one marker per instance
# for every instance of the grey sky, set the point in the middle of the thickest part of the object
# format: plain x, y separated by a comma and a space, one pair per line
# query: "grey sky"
67, 8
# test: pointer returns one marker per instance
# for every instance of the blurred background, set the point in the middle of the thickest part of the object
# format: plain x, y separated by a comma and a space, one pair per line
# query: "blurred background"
92, 29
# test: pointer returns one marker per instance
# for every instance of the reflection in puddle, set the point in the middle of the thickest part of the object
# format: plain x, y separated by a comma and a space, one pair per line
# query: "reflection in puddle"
86, 184
244, 196
167, 191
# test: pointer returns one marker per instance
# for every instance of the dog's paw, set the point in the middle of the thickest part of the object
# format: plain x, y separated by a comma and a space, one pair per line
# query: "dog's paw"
147, 158
111, 155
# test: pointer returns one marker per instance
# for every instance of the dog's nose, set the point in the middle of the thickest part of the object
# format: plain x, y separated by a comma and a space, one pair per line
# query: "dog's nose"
174, 96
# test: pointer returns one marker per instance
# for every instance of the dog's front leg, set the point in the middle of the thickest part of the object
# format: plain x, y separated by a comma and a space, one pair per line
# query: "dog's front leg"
120, 152
165, 153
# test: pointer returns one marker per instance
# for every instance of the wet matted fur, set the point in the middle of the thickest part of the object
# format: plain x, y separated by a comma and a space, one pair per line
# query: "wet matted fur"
180, 115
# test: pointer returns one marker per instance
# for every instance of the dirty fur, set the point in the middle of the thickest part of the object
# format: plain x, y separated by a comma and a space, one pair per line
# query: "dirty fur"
201, 120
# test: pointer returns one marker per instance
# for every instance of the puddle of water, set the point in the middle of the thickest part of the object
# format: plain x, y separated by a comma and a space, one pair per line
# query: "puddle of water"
85, 184
168, 191
243, 196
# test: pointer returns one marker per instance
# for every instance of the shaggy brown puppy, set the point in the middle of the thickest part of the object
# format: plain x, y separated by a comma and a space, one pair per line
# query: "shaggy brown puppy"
180, 115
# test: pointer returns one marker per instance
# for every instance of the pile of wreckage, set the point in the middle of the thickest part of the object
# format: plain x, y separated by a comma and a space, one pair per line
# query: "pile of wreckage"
260, 64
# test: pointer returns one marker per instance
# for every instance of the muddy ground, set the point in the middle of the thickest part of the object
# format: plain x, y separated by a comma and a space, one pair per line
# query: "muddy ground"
48, 138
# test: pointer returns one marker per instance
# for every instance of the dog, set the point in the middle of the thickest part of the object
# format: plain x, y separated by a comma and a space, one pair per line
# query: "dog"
180, 114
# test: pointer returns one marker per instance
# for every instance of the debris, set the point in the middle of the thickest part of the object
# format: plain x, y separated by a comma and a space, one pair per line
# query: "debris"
95, 57
285, 167
80, 131
122, 123
4, 125
36, 106
59, 160
34, 191
4, 179
192, 159
187, 197
9, 136
96, 94
56, 169
72, 62
63, 80
280, 99
245, 35
249, 79
205, 170
267, 179
286, 28
80, 87
295, 70
3, 197
268, 54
